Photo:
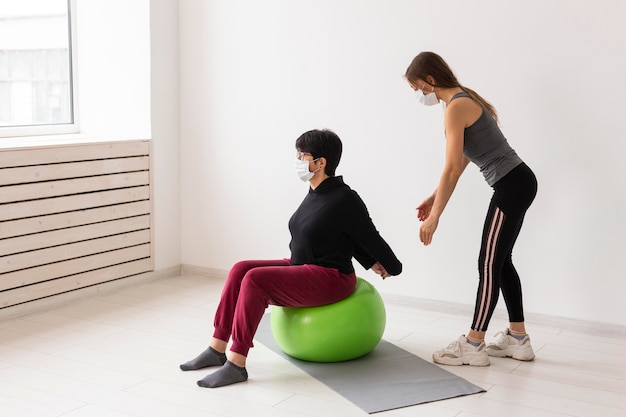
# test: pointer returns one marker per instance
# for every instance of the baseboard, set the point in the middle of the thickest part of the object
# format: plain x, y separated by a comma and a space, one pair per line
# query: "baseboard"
186, 269
577, 325
43, 304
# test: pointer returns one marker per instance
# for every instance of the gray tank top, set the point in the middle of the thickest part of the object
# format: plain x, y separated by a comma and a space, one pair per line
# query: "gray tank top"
485, 145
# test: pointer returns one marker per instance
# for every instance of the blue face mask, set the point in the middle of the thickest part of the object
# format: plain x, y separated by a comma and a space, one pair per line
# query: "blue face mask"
302, 169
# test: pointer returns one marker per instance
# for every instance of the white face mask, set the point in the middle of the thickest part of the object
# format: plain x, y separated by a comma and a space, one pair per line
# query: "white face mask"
429, 99
302, 169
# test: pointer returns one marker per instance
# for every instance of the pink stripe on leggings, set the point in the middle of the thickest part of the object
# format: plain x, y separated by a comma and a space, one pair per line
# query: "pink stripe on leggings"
487, 285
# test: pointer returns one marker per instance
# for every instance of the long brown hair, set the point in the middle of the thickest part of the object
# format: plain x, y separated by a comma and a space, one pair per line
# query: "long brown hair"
429, 63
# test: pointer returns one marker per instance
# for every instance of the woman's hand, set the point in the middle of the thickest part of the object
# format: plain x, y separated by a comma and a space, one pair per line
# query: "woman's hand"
428, 230
380, 270
423, 210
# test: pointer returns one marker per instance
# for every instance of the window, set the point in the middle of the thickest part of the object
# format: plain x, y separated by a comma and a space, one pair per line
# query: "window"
36, 89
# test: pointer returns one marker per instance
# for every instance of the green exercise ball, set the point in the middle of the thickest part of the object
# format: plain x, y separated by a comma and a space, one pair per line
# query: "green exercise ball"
336, 332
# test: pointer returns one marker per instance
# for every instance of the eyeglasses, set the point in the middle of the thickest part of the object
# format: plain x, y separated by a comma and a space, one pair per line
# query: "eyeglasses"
300, 155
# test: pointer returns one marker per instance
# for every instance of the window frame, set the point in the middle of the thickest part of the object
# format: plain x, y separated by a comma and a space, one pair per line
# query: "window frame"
55, 129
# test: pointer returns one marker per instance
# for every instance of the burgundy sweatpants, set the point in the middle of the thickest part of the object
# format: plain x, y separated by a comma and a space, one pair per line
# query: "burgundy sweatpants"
254, 284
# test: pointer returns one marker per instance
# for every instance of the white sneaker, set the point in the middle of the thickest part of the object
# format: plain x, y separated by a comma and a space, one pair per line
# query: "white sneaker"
460, 352
506, 346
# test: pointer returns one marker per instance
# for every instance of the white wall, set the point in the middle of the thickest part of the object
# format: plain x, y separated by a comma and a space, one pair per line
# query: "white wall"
113, 69
255, 75
165, 127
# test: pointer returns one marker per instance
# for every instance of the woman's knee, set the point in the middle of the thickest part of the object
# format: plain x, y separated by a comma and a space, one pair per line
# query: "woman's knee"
241, 266
255, 278
253, 288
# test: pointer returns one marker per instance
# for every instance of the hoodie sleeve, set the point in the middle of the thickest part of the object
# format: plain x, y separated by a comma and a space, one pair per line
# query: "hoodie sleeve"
369, 247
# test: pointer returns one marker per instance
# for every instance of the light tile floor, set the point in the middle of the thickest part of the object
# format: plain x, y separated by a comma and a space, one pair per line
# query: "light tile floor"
117, 355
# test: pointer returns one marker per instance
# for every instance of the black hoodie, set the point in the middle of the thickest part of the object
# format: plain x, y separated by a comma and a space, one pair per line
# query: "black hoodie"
332, 225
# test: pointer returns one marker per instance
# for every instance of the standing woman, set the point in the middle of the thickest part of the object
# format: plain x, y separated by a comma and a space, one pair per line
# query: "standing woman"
473, 135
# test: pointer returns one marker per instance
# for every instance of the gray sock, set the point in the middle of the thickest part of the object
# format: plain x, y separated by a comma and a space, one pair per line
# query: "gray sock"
516, 336
473, 343
209, 357
226, 375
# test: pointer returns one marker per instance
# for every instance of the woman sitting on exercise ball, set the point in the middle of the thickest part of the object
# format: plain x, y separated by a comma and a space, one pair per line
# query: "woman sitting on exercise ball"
331, 226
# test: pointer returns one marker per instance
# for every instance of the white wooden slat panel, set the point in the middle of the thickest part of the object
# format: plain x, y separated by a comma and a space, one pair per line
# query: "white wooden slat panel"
71, 235
72, 266
71, 153
79, 202
73, 282
23, 192
11, 228
73, 216
37, 173
73, 250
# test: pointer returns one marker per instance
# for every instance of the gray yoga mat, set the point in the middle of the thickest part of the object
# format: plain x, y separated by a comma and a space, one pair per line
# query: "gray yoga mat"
385, 379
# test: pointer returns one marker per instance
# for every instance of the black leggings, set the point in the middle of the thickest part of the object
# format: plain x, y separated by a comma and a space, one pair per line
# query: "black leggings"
512, 196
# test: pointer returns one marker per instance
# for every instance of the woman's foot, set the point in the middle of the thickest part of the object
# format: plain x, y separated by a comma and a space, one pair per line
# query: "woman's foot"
226, 375
462, 352
508, 345
208, 358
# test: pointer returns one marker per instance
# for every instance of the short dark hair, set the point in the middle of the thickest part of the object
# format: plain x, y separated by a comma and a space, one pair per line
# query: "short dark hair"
322, 143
